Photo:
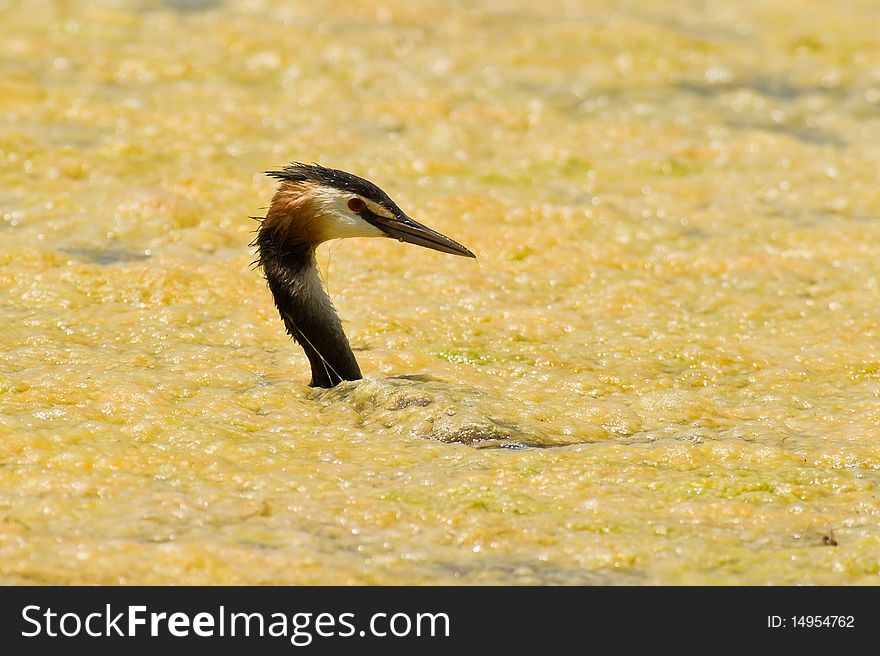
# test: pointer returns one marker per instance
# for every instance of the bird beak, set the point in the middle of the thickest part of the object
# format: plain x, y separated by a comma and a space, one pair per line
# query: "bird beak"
413, 232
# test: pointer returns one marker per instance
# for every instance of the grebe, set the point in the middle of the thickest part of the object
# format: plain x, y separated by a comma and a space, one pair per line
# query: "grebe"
314, 204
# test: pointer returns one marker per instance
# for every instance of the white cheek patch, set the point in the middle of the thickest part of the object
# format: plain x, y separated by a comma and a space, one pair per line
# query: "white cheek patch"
337, 226
336, 221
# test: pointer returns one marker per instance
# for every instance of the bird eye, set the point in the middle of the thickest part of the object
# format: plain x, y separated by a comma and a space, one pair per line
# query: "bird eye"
356, 205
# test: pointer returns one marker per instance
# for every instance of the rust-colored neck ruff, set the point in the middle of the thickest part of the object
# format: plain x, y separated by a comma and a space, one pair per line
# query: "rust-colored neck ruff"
286, 252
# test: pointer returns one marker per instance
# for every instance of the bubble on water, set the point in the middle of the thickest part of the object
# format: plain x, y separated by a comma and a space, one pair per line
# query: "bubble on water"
718, 75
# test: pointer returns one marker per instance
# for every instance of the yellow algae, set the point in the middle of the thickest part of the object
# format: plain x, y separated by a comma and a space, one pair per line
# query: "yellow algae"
671, 327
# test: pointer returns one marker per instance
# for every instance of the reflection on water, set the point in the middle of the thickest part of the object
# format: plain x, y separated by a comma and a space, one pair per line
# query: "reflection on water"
99, 256
187, 6
662, 369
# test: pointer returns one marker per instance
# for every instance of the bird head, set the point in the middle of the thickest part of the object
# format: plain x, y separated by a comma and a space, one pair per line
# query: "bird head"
314, 204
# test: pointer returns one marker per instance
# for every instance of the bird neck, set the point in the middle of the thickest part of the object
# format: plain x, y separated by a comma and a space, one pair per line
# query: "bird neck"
292, 273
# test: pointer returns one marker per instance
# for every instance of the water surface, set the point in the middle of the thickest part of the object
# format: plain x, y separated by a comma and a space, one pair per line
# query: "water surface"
663, 367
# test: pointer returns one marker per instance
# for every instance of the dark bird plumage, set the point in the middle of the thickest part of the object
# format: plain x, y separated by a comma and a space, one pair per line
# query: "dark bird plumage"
337, 179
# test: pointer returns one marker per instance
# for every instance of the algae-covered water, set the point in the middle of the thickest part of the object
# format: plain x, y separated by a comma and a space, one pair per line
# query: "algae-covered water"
672, 323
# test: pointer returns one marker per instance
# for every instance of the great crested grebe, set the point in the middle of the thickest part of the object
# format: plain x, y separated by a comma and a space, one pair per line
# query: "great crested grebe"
314, 204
